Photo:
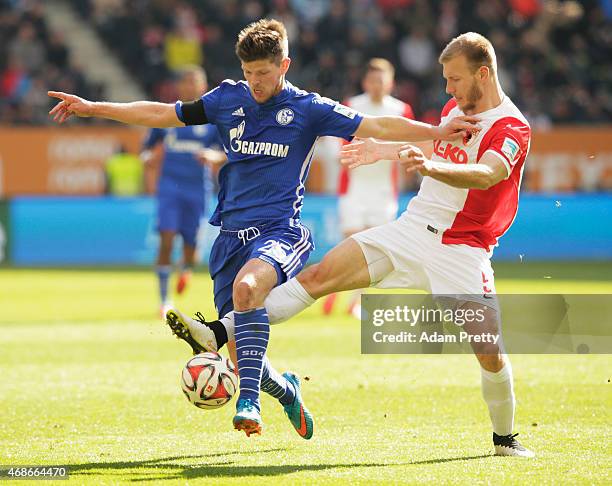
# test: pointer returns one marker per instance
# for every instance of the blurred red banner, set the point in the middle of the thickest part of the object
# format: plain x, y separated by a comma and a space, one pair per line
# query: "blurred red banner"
570, 159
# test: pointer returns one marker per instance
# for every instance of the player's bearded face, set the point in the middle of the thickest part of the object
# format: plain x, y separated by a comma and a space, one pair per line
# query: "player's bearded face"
474, 95
462, 83
265, 78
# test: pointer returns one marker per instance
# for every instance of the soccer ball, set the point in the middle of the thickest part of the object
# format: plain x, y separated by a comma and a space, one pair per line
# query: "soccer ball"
209, 380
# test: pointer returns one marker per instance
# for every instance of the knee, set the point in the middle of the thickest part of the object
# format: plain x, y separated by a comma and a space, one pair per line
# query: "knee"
314, 279
244, 295
310, 276
490, 359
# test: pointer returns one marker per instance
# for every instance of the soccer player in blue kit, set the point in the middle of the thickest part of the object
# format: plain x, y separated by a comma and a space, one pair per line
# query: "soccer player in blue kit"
184, 182
269, 129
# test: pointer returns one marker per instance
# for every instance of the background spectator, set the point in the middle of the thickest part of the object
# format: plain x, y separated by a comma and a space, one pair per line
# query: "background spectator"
31, 59
555, 56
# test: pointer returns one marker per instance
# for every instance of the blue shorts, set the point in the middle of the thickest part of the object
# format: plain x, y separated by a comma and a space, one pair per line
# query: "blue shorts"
180, 212
284, 246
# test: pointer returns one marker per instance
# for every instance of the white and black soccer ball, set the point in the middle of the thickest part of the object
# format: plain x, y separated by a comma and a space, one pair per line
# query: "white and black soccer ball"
209, 380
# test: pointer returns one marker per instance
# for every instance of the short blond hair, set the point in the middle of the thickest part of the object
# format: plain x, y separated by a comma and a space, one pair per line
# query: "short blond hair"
477, 49
380, 64
264, 39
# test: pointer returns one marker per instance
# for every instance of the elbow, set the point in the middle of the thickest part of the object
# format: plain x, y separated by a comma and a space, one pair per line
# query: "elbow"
164, 118
488, 178
160, 120
484, 185
485, 181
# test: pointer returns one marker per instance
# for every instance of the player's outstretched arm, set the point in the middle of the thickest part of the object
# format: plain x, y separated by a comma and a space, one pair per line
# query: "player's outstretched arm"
486, 173
368, 151
400, 128
144, 113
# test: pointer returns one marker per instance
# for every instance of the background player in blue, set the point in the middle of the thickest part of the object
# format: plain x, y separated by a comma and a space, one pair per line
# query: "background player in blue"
184, 183
269, 129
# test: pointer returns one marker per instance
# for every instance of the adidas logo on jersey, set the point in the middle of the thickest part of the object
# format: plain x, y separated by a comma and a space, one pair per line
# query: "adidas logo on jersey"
238, 112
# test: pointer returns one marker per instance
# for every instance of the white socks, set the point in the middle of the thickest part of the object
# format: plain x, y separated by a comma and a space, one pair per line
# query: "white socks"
287, 300
283, 302
498, 393
228, 323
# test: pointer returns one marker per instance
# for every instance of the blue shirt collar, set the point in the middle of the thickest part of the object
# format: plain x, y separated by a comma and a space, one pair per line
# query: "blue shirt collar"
281, 97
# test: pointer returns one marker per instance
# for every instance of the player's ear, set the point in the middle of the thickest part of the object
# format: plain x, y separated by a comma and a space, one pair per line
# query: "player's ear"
483, 73
285, 63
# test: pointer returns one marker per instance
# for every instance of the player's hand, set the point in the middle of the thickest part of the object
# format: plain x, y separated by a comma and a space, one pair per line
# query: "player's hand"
146, 156
204, 157
412, 159
363, 151
70, 105
458, 127
210, 157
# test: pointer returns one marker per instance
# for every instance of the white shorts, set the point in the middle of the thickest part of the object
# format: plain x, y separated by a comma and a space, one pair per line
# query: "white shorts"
406, 254
357, 214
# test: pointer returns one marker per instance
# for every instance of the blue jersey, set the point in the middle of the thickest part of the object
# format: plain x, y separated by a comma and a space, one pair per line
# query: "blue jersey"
269, 148
181, 167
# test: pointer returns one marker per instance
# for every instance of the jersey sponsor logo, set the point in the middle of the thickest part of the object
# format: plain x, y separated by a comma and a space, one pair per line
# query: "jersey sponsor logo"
247, 147
238, 112
345, 111
448, 151
510, 148
236, 133
284, 116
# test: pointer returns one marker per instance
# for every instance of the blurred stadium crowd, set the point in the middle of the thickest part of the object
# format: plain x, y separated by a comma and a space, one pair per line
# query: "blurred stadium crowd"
555, 56
32, 59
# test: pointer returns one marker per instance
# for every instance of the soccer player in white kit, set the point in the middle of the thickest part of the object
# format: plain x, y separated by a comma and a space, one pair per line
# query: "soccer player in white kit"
443, 242
368, 197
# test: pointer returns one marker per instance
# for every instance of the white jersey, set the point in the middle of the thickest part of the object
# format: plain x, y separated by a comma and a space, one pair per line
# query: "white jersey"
476, 217
376, 182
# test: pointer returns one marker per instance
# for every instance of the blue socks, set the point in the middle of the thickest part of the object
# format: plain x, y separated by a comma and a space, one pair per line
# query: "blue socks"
163, 275
252, 330
276, 385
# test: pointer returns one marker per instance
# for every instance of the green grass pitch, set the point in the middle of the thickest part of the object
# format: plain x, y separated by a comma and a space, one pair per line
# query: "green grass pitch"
89, 379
